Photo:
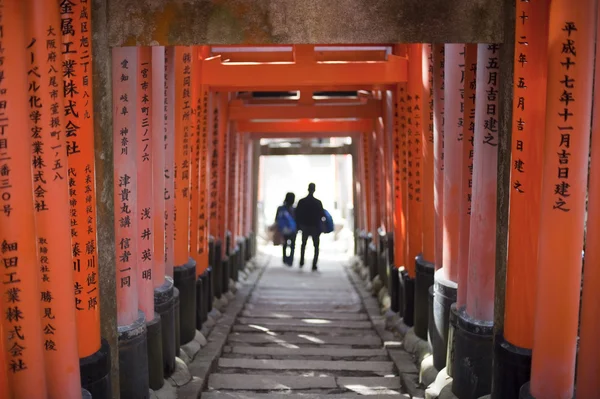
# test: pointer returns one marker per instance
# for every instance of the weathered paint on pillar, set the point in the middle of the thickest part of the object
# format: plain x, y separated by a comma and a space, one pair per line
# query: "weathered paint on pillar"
144, 159
51, 201
169, 132
482, 245
399, 215
588, 364
453, 133
124, 73
438, 152
414, 154
182, 62
466, 172
571, 37
21, 321
528, 123
427, 153
158, 164
79, 129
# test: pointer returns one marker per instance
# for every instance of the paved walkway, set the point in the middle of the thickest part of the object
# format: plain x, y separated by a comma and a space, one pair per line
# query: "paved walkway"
304, 334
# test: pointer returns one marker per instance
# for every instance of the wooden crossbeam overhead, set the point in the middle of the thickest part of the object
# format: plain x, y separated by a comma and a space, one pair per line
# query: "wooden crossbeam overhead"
368, 110
325, 76
303, 135
306, 126
282, 151
285, 56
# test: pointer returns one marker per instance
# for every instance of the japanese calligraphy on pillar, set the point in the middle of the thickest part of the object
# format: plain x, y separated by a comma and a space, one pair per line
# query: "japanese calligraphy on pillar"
377, 168
125, 181
78, 111
213, 210
568, 113
471, 74
231, 195
202, 192
169, 146
368, 176
144, 198
224, 165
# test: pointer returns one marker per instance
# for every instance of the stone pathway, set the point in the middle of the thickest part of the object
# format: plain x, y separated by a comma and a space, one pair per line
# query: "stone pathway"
304, 335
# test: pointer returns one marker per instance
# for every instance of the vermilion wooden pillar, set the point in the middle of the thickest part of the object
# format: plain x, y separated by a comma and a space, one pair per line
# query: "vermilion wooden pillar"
51, 203
588, 383
513, 359
169, 85
133, 355
438, 152
424, 263
446, 277
184, 273
474, 333
570, 73
21, 322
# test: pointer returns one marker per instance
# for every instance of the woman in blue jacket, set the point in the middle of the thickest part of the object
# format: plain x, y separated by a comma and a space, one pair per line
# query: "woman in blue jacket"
286, 223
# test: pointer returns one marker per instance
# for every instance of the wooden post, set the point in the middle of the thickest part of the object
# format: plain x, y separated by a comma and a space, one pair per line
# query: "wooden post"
22, 326
570, 74
51, 203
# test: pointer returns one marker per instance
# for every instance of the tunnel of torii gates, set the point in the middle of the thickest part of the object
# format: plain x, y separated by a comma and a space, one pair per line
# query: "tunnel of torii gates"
470, 207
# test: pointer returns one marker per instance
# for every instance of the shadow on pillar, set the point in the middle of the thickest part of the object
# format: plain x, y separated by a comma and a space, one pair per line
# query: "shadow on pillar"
473, 351
95, 372
156, 375
382, 260
176, 308
444, 295
164, 305
372, 257
423, 280
185, 281
202, 299
512, 369
133, 360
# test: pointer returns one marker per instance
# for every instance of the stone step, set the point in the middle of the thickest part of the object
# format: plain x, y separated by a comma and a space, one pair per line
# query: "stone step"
305, 308
303, 329
307, 339
333, 352
327, 365
304, 322
253, 395
258, 382
304, 315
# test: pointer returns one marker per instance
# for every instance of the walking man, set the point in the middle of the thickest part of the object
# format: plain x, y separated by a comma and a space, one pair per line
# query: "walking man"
309, 214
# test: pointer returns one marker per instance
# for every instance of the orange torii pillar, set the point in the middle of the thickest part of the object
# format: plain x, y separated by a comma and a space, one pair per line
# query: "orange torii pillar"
164, 302
425, 267
473, 333
380, 229
215, 159
446, 278
513, 347
133, 354
199, 227
184, 272
147, 262
22, 320
466, 167
571, 37
233, 205
369, 162
169, 193
76, 48
587, 359
51, 203
435, 338
224, 189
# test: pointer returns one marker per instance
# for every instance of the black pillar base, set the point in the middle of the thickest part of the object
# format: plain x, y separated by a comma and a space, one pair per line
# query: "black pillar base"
208, 289
431, 331
394, 293
248, 251
408, 291
95, 372
185, 281
242, 253
450, 353
156, 375
200, 302
225, 266
390, 247
85, 394
423, 280
444, 295
164, 305
217, 270
372, 262
473, 353
133, 360
382, 260
176, 308
512, 369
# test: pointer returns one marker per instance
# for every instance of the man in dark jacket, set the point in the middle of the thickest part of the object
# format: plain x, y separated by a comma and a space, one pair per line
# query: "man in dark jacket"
309, 214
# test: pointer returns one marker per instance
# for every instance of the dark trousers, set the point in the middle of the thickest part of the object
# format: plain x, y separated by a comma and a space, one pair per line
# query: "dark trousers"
313, 233
289, 241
